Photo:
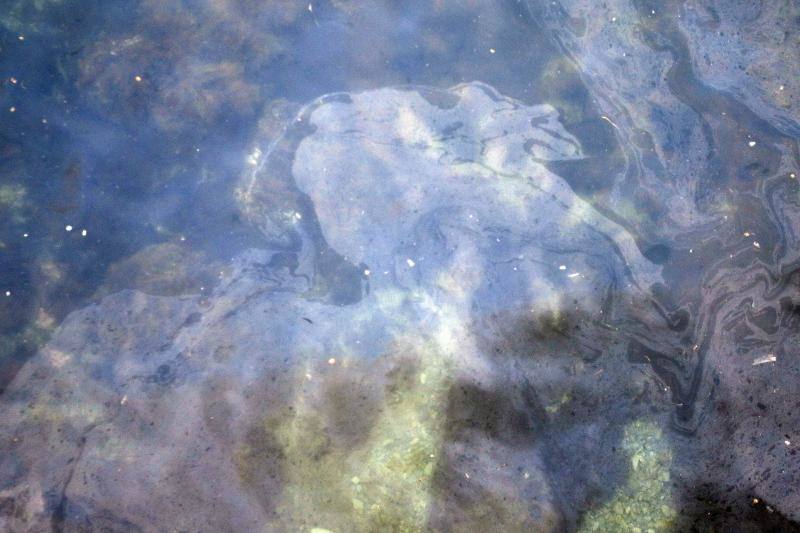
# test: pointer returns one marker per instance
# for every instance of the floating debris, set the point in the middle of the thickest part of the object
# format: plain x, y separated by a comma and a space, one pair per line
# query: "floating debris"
769, 358
410, 263
68, 227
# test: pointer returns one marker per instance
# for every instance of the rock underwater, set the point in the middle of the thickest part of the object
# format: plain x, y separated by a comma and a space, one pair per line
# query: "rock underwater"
419, 348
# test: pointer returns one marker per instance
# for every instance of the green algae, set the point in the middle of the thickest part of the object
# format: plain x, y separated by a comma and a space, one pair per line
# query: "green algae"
354, 457
643, 504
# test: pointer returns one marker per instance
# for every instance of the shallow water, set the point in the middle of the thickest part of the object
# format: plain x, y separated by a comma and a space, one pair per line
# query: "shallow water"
419, 266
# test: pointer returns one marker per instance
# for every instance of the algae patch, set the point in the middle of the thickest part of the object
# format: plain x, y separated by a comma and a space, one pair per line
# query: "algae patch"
643, 504
353, 453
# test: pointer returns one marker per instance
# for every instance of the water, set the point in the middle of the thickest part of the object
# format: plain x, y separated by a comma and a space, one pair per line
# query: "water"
437, 265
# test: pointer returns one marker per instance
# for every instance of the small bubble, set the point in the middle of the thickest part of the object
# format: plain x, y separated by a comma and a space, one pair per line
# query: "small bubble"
751, 144
83, 233
12, 109
8, 293
137, 78
410, 263
68, 227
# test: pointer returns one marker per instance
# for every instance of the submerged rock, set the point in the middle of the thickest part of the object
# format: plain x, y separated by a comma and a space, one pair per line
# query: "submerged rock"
454, 388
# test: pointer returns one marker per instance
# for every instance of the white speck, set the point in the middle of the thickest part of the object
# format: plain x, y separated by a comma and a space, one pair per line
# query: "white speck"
68, 227
367, 272
21, 37
410, 263
787, 442
44, 121
526, 475
310, 8
297, 215
780, 88
83, 233
793, 175
562, 267
751, 144
308, 376
574, 275
613, 19
183, 238
691, 250
25, 235
746, 233
254, 157
8, 293
332, 361
124, 400
466, 475
492, 50
12, 109
755, 243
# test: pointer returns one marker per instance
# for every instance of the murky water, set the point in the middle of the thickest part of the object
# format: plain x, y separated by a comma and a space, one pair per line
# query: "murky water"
399, 266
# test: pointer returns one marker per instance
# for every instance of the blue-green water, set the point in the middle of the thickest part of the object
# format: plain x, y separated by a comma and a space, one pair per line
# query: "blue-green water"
399, 266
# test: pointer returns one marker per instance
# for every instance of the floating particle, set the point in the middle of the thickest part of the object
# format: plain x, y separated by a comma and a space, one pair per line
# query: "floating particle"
562, 267
25, 235
751, 144
332, 361
492, 50
21, 37
367, 272
68, 227
83, 233
8, 293
613, 19
756, 244
124, 400
12, 109
410, 263
769, 358
13, 80
792, 175
574, 275
137, 78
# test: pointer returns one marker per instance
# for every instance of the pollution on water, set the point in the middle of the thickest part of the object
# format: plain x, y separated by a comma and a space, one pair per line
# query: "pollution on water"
420, 266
